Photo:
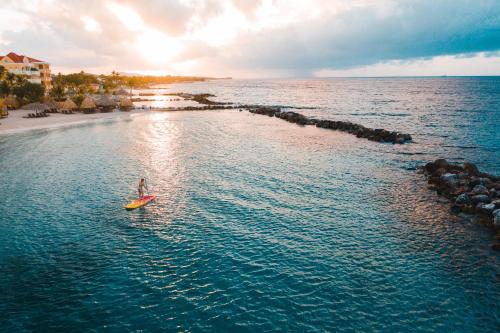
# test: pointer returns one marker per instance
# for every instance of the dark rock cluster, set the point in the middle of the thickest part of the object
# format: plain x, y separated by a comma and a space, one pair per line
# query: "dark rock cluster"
197, 108
199, 98
379, 135
470, 191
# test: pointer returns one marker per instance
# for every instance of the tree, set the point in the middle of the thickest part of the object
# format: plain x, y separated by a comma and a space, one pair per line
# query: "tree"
78, 99
4, 88
57, 92
112, 81
28, 92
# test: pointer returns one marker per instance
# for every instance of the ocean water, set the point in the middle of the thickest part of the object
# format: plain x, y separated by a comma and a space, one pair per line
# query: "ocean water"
259, 224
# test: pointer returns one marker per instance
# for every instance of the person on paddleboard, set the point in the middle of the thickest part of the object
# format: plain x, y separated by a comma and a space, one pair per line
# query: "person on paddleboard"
140, 189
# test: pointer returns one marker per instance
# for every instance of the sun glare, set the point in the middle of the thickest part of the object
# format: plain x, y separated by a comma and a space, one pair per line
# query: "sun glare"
155, 46
90, 24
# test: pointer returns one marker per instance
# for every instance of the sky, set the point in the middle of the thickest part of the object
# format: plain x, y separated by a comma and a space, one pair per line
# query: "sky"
260, 38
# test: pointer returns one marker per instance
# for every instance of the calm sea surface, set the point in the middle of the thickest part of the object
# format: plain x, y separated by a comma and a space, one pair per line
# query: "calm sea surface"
259, 224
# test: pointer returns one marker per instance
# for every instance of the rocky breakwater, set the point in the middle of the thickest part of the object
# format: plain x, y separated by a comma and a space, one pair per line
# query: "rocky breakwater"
199, 98
469, 190
379, 135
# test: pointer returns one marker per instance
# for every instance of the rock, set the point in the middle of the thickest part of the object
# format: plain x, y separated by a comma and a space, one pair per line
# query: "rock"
467, 209
440, 172
449, 179
458, 190
293, 117
268, 111
484, 208
495, 185
485, 181
496, 202
441, 163
495, 247
399, 140
480, 181
479, 189
471, 169
430, 168
463, 199
496, 219
480, 198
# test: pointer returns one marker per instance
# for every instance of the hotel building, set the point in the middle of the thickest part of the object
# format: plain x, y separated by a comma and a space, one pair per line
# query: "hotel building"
36, 71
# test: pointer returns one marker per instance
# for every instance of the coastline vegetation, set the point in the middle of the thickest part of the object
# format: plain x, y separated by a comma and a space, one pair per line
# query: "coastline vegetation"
18, 86
17, 90
77, 85
81, 83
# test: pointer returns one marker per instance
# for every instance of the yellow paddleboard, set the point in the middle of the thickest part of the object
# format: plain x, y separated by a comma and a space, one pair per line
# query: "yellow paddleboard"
140, 202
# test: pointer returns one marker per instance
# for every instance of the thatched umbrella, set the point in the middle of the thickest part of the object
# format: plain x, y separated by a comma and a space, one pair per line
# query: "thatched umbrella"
67, 105
105, 103
11, 102
53, 106
126, 104
88, 104
38, 107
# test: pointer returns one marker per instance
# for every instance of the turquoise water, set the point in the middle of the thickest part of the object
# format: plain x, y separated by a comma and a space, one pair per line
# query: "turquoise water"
259, 225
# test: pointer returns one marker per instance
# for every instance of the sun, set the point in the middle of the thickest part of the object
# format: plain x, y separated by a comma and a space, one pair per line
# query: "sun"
156, 47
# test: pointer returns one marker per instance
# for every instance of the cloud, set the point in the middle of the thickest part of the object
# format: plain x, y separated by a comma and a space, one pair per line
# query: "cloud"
295, 37
362, 36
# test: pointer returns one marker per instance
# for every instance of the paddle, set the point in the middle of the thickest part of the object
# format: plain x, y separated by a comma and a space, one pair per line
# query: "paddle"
146, 186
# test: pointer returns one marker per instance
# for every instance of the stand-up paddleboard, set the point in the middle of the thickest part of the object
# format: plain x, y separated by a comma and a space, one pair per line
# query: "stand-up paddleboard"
140, 202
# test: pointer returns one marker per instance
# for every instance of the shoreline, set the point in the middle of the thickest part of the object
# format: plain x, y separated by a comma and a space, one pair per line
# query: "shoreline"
15, 123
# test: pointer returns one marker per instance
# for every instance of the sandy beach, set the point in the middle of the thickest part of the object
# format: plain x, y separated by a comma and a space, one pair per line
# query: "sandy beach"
15, 122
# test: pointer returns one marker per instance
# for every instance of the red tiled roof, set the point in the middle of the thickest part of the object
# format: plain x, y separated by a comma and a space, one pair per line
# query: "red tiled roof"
15, 57
34, 60
19, 58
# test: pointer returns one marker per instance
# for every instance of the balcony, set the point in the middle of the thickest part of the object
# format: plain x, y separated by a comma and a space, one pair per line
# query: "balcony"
27, 72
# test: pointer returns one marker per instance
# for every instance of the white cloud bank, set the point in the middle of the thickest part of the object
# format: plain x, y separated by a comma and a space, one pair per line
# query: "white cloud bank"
244, 38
